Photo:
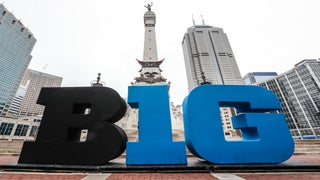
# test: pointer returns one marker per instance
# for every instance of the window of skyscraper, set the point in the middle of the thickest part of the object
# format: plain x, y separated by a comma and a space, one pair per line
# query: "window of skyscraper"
21, 130
34, 131
6, 128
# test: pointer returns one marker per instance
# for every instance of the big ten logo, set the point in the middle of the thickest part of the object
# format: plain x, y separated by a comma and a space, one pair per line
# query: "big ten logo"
68, 111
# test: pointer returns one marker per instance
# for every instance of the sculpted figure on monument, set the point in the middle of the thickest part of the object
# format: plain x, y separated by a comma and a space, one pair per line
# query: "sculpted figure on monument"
148, 6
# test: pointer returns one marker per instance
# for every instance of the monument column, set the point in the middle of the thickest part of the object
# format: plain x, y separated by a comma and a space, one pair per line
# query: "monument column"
150, 72
150, 45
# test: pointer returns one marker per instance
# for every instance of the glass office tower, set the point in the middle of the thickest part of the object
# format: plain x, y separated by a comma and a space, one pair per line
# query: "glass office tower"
16, 44
299, 93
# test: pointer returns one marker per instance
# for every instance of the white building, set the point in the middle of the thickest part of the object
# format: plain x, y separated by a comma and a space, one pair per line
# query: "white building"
24, 115
35, 81
208, 54
209, 59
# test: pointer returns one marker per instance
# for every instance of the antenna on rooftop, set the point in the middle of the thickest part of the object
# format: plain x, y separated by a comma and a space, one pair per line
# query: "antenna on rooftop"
202, 20
193, 20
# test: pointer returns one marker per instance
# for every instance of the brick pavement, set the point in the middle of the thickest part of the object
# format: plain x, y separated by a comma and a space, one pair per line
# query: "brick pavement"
161, 176
314, 159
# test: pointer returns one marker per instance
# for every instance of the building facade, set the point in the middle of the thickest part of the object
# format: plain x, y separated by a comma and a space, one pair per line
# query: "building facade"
299, 93
16, 44
209, 59
17, 101
35, 80
24, 114
256, 77
25, 128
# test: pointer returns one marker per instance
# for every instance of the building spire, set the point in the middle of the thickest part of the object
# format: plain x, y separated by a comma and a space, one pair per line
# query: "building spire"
202, 20
194, 23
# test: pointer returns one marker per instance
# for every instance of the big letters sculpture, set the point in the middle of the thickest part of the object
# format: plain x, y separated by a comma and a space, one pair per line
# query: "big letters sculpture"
265, 134
155, 145
68, 111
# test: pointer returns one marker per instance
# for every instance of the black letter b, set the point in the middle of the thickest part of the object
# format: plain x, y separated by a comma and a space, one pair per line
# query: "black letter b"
77, 127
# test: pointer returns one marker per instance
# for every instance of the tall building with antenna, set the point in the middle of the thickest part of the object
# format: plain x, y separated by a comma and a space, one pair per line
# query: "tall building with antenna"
208, 57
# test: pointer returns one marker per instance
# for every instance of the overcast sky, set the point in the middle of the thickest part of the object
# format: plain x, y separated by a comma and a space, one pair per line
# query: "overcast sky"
76, 39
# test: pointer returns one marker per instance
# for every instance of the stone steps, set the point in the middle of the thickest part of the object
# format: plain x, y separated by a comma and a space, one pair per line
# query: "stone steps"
10, 148
307, 146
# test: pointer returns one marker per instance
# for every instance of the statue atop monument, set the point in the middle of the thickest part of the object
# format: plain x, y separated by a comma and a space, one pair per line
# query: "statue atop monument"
148, 6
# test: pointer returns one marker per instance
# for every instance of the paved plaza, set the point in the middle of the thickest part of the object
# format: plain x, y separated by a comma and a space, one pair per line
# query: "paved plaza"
150, 175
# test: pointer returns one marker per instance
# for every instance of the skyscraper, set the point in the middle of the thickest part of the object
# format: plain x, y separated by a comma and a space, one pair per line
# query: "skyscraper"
208, 57
36, 80
299, 93
16, 44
